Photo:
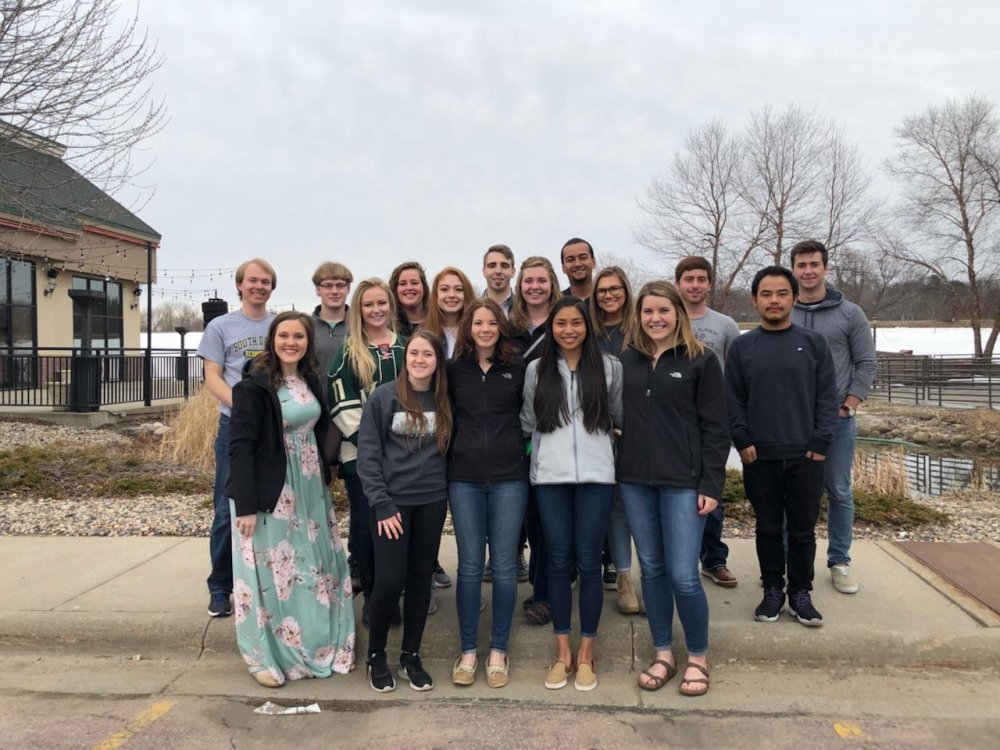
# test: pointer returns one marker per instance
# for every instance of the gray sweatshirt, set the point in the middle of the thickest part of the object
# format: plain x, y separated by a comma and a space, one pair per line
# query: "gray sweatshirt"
398, 466
846, 329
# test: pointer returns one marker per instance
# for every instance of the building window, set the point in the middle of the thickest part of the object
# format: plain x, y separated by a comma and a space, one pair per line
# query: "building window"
106, 315
17, 323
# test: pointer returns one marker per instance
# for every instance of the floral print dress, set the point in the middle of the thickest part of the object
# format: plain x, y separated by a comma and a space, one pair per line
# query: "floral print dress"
292, 598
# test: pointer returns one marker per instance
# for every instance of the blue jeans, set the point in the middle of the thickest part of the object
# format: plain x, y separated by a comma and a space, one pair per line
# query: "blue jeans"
714, 551
619, 533
575, 521
480, 511
220, 580
668, 532
839, 498
359, 533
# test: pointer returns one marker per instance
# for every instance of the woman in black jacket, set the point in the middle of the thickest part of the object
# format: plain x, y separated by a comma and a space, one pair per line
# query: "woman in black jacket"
671, 470
292, 588
487, 480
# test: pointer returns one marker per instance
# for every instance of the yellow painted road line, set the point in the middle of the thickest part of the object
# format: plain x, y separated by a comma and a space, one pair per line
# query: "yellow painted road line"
848, 731
139, 722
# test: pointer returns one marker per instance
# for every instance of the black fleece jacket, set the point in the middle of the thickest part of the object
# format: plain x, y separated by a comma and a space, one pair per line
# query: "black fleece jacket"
487, 445
675, 431
257, 444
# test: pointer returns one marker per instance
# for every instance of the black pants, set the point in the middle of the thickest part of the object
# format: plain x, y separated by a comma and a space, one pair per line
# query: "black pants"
405, 564
785, 491
538, 567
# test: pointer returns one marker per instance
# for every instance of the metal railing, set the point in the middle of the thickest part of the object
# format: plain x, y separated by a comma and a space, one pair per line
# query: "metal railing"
66, 378
938, 380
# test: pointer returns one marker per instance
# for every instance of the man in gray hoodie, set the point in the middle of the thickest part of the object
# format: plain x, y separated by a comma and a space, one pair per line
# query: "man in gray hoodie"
823, 309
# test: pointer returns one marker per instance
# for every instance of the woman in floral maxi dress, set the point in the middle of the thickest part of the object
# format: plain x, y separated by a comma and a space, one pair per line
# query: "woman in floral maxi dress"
291, 584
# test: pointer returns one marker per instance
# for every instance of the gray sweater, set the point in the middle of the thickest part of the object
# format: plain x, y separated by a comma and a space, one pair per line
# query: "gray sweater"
398, 466
846, 329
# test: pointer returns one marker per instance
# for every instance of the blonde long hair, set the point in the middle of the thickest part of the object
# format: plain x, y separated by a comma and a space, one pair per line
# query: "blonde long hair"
684, 333
629, 319
356, 346
519, 319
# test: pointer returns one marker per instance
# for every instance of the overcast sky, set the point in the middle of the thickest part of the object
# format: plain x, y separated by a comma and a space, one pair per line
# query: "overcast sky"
381, 132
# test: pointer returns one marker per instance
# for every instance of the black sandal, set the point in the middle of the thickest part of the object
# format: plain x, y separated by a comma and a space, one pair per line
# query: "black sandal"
657, 681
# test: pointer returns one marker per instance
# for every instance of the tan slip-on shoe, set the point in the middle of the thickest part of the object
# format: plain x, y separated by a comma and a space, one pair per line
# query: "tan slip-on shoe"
586, 677
558, 675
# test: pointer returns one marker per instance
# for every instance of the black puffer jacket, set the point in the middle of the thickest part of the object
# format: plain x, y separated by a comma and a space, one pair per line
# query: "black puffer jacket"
487, 445
675, 431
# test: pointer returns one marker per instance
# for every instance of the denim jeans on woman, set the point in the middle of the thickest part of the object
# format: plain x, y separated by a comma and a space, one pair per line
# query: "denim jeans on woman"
667, 531
481, 511
575, 521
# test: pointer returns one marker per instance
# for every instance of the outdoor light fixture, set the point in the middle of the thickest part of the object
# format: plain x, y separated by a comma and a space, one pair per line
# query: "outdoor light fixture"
136, 293
50, 281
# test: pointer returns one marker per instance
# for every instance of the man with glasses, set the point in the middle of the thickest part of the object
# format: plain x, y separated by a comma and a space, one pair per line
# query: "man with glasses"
694, 277
333, 287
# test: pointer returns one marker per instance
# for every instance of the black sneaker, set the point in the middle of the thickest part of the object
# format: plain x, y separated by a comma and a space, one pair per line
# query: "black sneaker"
522, 568
379, 675
771, 606
219, 606
488, 572
800, 607
610, 577
411, 670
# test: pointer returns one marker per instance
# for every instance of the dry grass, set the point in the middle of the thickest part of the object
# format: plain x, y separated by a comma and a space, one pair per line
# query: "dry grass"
977, 422
192, 435
882, 473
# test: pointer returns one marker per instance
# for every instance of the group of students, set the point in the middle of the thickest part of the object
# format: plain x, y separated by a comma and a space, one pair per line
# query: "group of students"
590, 417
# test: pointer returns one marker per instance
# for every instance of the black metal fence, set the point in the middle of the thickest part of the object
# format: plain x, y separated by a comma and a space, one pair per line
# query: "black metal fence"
940, 380
64, 378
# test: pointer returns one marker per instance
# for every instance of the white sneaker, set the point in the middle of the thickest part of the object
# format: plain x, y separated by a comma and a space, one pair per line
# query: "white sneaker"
843, 581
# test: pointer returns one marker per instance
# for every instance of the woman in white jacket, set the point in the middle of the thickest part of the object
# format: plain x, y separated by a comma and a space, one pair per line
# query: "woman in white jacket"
572, 401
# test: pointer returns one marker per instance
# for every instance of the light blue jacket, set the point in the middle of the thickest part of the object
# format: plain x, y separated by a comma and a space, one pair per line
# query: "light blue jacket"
570, 454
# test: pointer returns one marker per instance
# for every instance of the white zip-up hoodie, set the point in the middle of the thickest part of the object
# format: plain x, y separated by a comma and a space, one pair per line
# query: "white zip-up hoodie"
570, 454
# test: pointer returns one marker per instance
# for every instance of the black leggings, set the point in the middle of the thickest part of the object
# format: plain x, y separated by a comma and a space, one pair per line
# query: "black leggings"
406, 563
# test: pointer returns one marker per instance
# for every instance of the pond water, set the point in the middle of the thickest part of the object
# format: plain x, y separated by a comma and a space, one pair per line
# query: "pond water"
935, 473
929, 474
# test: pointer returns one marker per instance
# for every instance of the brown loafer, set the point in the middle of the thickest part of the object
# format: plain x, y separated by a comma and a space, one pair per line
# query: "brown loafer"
721, 576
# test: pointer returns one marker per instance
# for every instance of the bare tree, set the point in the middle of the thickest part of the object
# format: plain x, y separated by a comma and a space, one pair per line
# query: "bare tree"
72, 73
950, 202
738, 199
171, 314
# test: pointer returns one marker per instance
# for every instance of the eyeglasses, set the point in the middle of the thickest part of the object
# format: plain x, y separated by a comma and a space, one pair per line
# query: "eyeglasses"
614, 291
329, 286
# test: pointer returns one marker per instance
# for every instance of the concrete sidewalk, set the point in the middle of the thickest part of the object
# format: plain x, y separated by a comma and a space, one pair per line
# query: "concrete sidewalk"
124, 596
